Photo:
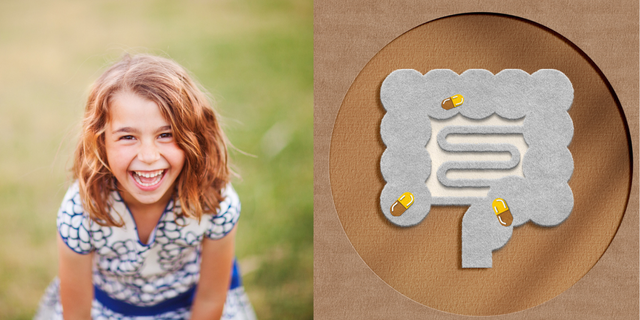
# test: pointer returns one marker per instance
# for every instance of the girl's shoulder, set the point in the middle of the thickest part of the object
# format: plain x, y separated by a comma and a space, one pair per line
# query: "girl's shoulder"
212, 225
226, 216
231, 202
73, 194
74, 225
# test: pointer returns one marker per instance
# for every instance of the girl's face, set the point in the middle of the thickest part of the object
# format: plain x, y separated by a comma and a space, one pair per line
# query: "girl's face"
141, 151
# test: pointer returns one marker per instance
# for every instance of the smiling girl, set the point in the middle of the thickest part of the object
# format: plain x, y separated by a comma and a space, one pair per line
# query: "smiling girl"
147, 229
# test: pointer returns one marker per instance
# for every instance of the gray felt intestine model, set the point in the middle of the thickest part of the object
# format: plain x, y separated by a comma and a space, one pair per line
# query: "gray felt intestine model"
543, 196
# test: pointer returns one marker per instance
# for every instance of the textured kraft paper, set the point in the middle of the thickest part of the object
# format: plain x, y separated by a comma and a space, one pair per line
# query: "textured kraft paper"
347, 36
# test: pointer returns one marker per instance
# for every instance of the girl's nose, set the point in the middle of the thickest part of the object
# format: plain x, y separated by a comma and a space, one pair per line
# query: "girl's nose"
148, 153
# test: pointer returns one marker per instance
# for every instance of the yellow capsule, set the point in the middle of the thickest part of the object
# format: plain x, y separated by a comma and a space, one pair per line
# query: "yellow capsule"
402, 204
501, 209
452, 102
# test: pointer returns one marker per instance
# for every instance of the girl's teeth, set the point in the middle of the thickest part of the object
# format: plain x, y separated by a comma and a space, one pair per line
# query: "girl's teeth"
157, 174
149, 175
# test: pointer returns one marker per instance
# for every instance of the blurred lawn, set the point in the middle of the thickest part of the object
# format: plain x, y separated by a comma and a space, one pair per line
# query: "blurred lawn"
255, 58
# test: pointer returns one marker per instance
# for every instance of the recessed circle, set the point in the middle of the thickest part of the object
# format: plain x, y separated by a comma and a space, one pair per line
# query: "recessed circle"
538, 263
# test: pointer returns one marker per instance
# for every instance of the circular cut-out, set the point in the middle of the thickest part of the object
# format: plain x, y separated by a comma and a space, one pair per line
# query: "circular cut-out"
423, 262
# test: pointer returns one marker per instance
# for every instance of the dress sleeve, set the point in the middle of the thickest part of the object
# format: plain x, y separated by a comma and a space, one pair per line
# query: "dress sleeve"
73, 225
227, 216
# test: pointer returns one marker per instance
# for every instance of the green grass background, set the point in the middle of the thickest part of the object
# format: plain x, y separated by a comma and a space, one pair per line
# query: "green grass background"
254, 57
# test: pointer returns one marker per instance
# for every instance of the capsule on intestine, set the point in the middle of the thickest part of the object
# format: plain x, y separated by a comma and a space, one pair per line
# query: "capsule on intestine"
452, 102
502, 212
402, 204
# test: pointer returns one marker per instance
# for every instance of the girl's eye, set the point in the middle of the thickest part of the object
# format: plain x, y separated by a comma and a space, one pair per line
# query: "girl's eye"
166, 135
126, 138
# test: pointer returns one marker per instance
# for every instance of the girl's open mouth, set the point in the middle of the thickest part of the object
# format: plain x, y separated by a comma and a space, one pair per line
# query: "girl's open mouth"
148, 180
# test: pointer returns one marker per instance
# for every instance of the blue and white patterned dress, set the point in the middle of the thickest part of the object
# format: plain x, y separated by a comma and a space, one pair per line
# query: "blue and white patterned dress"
156, 280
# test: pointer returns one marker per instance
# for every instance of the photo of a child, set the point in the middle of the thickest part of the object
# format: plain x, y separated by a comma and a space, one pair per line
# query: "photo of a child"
150, 166
157, 160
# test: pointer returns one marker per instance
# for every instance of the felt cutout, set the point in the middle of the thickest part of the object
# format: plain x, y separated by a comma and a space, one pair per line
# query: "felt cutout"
542, 196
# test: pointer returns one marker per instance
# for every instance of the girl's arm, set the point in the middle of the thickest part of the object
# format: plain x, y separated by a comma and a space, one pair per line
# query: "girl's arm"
215, 277
76, 284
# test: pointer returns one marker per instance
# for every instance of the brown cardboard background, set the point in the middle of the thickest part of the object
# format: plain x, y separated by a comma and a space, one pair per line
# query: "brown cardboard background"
348, 35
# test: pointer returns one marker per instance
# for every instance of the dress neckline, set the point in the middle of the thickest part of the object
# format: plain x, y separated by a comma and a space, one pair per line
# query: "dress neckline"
152, 237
